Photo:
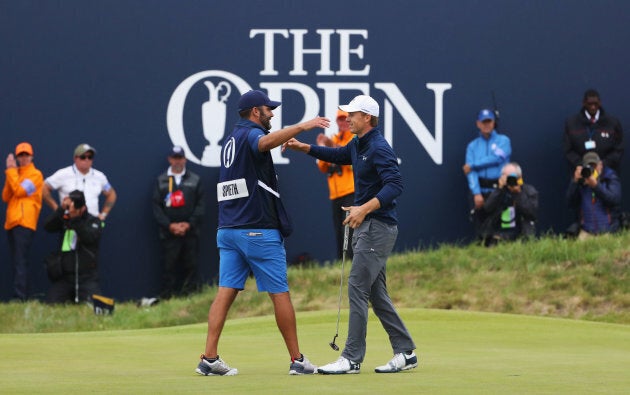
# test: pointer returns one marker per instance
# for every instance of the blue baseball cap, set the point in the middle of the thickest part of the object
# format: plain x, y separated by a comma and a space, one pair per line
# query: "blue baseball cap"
256, 98
485, 114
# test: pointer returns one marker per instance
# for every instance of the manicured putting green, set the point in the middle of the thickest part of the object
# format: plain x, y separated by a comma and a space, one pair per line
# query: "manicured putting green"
460, 353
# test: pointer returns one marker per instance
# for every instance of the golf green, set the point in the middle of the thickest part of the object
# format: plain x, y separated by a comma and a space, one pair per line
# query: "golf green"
459, 353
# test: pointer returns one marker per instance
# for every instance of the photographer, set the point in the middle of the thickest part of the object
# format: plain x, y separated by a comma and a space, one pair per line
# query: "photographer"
512, 208
594, 192
77, 278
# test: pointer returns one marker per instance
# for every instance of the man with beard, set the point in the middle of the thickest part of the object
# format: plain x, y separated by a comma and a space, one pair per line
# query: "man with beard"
252, 227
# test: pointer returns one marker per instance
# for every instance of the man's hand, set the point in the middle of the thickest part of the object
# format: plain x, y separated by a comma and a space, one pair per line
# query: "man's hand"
296, 145
355, 215
317, 122
323, 140
591, 181
179, 228
466, 168
577, 174
478, 199
11, 164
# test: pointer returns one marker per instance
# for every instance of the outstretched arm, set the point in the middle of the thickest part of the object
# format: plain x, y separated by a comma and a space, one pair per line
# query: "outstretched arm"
279, 137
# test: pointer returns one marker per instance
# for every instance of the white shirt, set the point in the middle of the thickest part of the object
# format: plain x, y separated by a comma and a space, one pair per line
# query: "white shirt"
70, 178
178, 176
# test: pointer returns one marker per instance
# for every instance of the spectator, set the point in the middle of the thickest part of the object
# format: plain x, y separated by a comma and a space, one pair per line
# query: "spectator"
340, 180
252, 224
23, 194
512, 208
485, 157
593, 129
80, 234
595, 193
83, 177
375, 221
178, 208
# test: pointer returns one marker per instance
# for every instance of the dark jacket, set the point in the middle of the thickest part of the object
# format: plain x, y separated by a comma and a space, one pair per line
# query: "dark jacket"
376, 172
525, 212
193, 209
599, 207
606, 133
88, 231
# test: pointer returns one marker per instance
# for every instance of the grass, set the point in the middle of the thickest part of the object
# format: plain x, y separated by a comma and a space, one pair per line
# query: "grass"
460, 353
550, 277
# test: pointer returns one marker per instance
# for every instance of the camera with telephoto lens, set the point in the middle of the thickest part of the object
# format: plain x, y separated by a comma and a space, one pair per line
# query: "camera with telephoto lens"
512, 180
587, 171
334, 168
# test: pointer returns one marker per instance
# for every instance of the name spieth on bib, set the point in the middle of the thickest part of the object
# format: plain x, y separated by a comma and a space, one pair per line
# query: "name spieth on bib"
233, 189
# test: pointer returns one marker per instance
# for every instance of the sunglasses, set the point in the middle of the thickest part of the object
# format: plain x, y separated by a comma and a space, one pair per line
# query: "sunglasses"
84, 157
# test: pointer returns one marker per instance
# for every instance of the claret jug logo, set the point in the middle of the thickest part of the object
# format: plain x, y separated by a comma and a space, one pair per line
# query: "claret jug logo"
224, 88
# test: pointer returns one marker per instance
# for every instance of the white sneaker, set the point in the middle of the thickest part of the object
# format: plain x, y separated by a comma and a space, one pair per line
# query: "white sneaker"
340, 366
216, 368
401, 361
304, 367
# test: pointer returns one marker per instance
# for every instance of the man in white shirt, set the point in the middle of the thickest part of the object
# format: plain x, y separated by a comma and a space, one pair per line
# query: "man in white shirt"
81, 176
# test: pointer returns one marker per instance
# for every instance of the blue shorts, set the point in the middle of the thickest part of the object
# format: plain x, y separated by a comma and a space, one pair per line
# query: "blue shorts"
260, 251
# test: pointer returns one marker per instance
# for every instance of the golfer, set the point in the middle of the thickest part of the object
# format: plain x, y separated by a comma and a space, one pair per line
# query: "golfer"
374, 220
252, 224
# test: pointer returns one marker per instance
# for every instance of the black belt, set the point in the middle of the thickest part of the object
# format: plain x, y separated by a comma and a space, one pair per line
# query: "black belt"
488, 182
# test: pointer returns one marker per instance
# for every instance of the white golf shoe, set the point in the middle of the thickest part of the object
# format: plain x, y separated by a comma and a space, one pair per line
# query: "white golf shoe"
340, 366
400, 362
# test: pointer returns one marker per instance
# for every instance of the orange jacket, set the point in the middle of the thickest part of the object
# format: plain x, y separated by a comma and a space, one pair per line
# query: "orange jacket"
339, 185
23, 194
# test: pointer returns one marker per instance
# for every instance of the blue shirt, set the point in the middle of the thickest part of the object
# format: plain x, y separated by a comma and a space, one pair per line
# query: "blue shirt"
486, 158
375, 168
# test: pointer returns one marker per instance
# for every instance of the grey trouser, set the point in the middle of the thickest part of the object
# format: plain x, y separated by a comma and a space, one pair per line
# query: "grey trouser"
372, 243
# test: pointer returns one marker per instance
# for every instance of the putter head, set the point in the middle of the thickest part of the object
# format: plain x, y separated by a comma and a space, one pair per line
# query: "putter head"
334, 346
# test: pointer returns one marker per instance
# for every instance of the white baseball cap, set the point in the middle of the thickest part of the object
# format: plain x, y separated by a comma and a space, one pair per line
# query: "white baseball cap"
363, 103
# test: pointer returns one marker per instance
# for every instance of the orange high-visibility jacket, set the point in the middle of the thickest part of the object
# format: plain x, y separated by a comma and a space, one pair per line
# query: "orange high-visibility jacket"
339, 185
23, 194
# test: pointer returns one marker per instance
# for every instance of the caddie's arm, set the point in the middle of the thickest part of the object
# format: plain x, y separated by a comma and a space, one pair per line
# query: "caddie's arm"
279, 137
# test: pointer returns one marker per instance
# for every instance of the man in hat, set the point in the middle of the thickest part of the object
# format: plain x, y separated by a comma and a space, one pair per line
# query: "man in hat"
485, 157
178, 208
83, 177
595, 193
23, 194
593, 129
512, 208
252, 227
80, 234
375, 222
340, 179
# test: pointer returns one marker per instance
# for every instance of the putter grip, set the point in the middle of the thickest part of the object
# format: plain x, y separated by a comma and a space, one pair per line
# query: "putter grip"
346, 233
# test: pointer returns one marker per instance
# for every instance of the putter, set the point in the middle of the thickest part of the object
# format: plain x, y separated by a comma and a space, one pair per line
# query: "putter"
346, 232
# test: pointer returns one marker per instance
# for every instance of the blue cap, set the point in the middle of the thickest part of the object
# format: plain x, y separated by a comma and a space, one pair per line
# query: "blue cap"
485, 114
253, 99
177, 151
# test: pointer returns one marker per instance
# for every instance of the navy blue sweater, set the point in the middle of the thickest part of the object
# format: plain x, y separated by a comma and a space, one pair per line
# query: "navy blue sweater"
375, 168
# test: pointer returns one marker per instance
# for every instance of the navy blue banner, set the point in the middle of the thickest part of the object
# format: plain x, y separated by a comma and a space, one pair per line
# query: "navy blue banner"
132, 78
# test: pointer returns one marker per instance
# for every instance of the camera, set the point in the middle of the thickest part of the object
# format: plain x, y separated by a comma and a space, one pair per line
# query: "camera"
334, 168
512, 181
587, 171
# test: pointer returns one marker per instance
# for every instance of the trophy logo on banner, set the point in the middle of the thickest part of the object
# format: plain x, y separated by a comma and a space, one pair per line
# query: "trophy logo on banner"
214, 113
213, 116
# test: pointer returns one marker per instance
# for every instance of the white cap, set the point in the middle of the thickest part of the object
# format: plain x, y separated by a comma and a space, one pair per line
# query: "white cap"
362, 103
